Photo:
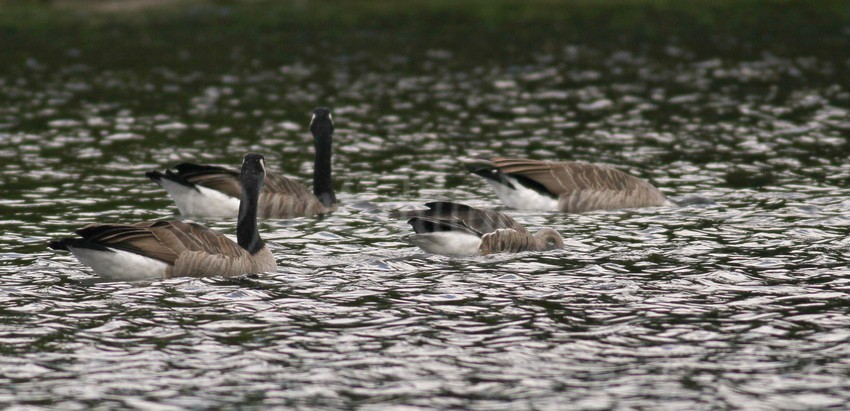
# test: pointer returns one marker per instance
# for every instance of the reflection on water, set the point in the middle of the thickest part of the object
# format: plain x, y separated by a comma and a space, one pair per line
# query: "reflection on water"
742, 303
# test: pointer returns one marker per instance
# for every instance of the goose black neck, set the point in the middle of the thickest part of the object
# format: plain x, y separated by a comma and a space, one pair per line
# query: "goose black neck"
323, 187
247, 235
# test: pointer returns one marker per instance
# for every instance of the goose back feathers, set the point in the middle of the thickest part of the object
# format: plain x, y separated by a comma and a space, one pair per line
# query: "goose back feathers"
459, 230
571, 187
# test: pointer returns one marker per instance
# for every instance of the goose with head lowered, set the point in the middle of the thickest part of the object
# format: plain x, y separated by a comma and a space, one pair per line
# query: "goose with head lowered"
455, 229
164, 249
213, 191
565, 186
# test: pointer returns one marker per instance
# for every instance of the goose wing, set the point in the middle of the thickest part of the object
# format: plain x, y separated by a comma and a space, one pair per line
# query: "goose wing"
583, 186
134, 238
161, 240
227, 181
463, 217
283, 197
185, 236
565, 177
427, 224
217, 178
279, 184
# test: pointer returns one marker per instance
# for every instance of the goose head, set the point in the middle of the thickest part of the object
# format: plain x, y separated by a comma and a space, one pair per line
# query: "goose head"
253, 171
322, 124
548, 239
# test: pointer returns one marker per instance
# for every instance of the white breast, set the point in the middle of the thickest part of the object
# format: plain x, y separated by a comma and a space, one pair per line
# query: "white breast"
523, 198
202, 202
119, 265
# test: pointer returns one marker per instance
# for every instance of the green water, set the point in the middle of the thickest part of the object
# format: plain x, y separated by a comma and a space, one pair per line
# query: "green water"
738, 304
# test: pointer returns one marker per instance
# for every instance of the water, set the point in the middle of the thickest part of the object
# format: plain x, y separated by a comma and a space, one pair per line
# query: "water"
738, 304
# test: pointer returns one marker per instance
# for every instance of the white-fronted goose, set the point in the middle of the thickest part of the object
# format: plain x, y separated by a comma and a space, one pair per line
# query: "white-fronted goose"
460, 230
213, 192
567, 186
163, 249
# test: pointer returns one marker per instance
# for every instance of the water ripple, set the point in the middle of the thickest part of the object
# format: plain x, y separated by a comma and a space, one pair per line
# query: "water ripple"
738, 304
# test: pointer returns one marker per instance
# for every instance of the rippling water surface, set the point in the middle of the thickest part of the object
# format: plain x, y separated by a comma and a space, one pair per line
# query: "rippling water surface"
741, 303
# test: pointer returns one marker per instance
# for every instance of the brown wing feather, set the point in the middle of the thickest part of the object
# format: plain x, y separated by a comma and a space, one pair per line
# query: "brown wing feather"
214, 177
584, 186
286, 198
277, 183
280, 197
162, 240
131, 237
480, 221
227, 180
181, 237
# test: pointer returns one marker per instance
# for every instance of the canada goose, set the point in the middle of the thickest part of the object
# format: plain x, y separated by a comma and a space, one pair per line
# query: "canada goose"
213, 192
163, 249
568, 186
460, 230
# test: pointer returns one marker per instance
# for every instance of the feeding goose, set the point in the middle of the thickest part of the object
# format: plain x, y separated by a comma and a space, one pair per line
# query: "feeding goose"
567, 186
213, 192
460, 230
163, 249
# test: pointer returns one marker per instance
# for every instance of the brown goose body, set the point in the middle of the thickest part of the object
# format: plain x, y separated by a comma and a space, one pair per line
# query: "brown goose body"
566, 186
186, 249
213, 192
281, 196
459, 230
163, 249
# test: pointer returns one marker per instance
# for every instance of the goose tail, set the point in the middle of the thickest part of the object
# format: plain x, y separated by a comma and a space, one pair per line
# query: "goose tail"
154, 176
158, 177
485, 168
61, 244
477, 165
65, 243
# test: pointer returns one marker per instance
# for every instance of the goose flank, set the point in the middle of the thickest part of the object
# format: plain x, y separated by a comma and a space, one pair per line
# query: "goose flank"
213, 191
164, 249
